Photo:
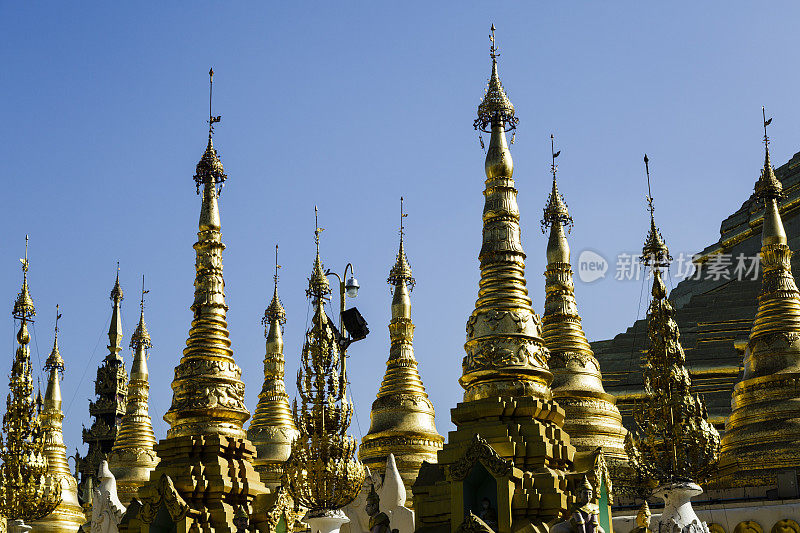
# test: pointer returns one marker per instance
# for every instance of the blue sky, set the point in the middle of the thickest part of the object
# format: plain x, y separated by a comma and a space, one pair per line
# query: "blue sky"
348, 106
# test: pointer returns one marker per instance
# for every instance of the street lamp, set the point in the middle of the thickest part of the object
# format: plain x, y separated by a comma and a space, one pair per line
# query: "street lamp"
349, 319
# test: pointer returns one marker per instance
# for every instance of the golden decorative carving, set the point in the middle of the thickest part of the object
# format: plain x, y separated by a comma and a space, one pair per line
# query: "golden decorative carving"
479, 451
748, 526
322, 472
784, 526
27, 490
672, 439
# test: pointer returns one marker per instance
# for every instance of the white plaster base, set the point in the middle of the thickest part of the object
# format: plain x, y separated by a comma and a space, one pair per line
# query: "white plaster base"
678, 515
327, 522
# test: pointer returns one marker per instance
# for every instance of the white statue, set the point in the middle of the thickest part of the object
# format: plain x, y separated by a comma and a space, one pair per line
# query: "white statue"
393, 499
359, 519
107, 510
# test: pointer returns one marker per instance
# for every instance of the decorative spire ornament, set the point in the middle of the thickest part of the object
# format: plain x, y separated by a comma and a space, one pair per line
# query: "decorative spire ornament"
672, 440
402, 416
323, 474
133, 456
272, 429
111, 388
205, 467
28, 491
508, 412
68, 516
761, 435
592, 418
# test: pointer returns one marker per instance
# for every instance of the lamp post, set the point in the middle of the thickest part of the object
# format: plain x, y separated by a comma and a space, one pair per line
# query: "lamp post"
350, 320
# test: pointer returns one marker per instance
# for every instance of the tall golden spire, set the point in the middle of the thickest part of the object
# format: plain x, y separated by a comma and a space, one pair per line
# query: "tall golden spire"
762, 432
27, 490
272, 428
505, 352
322, 472
206, 461
68, 516
508, 412
592, 419
133, 456
672, 439
402, 416
208, 391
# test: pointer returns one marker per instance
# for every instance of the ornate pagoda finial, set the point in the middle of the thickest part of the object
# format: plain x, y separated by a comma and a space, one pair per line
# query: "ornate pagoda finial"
23, 306
401, 271
767, 186
495, 107
655, 253
275, 310
318, 286
555, 211
55, 361
141, 337
209, 170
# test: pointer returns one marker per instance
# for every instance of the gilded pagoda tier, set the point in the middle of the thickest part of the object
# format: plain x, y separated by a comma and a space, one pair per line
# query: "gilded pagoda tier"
208, 392
506, 355
402, 419
592, 418
762, 432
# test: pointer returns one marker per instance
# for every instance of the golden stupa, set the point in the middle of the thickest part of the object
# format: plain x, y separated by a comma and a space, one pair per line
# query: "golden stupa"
272, 429
509, 446
68, 516
402, 417
762, 432
133, 456
205, 473
592, 418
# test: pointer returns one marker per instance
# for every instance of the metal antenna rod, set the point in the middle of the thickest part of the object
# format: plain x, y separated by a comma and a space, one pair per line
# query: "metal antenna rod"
649, 194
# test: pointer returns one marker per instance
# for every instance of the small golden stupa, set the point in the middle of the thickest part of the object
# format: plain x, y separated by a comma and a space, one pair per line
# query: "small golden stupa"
272, 429
133, 456
762, 433
402, 417
68, 516
592, 418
